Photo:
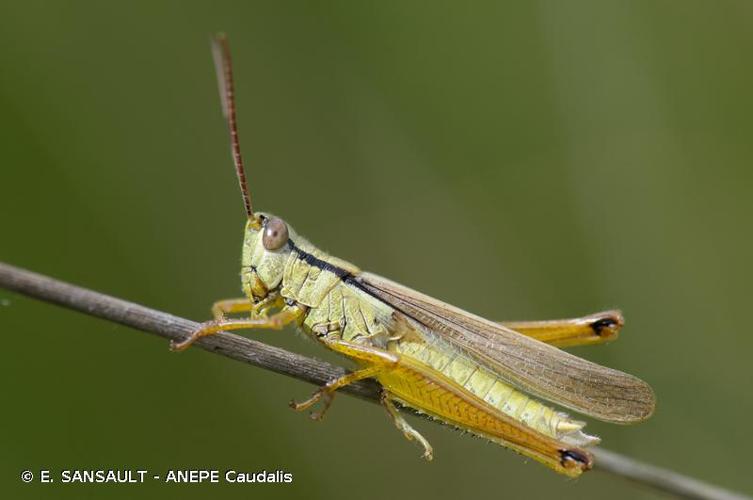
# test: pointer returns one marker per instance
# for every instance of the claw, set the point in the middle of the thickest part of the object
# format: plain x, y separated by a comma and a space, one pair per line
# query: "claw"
182, 345
204, 329
317, 415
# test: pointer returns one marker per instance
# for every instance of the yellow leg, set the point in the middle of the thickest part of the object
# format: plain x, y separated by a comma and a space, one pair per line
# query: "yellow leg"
402, 425
231, 306
596, 328
376, 360
327, 392
381, 361
275, 322
221, 308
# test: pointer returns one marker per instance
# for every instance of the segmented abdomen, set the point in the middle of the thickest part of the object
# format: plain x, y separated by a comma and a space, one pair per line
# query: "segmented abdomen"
489, 387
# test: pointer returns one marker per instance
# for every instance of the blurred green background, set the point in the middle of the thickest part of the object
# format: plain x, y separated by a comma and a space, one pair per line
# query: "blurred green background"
568, 156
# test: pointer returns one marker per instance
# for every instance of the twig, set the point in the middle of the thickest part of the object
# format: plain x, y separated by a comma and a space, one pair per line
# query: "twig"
281, 361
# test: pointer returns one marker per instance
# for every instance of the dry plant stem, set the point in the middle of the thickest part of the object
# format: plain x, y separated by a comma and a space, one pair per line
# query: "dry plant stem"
310, 370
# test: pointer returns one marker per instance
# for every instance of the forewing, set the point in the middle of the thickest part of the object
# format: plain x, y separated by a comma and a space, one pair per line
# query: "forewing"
533, 366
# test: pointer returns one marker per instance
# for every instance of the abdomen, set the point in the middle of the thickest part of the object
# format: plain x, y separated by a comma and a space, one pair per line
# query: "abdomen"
490, 389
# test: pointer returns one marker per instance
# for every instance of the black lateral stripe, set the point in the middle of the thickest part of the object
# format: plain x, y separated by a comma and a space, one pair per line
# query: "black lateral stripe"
356, 283
317, 262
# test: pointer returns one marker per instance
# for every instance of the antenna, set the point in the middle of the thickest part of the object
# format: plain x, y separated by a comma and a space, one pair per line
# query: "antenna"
224, 69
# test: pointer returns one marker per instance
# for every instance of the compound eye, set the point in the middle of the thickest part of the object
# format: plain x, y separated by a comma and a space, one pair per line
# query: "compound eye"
275, 234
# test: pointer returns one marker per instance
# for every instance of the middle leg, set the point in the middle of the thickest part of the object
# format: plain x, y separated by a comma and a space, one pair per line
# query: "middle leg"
403, 425
327, 392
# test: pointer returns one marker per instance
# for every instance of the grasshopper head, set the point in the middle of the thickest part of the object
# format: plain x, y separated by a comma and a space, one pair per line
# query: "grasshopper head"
265, 244
265, 251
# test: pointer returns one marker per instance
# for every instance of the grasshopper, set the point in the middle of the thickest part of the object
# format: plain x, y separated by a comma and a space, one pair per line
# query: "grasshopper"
481, 376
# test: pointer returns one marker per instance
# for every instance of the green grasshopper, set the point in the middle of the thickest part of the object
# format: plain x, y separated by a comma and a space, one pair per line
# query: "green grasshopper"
472, 373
